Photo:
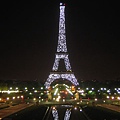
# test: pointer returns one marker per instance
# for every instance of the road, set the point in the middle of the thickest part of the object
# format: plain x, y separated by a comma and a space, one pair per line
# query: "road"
61, 112
87, 113
65, 112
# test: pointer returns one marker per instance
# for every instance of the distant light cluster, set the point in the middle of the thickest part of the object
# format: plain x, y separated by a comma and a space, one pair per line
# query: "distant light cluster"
66, 61
62, 37
52, 77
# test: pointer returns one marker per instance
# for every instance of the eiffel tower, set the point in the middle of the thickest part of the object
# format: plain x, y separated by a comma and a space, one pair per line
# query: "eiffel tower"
61, 54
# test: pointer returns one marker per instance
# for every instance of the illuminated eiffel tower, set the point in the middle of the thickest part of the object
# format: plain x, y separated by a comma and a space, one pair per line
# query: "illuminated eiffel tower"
61, 54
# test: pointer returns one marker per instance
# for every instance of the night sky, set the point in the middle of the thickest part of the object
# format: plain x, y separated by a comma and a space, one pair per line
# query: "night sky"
29, 34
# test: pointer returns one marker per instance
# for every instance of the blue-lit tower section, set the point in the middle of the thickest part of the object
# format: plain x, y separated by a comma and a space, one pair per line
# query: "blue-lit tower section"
61, 54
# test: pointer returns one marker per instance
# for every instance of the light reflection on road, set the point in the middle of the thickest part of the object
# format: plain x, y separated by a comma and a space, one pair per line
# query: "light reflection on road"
67, 114
55, 113
56, 116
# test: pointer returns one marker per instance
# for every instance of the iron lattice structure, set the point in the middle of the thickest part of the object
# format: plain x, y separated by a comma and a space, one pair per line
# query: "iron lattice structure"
61, 54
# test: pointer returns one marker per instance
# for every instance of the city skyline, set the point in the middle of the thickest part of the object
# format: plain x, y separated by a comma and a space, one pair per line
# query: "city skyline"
29, 36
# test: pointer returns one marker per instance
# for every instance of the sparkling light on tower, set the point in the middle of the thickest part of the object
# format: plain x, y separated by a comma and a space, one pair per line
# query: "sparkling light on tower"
61, 54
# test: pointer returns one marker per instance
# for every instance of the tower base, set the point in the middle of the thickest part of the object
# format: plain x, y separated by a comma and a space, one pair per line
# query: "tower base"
58, 75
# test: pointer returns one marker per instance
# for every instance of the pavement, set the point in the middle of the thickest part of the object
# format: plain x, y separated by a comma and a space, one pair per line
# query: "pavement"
12, 109
111, 107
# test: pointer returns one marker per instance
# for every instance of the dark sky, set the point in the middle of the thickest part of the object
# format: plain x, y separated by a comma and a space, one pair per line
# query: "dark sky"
29, 32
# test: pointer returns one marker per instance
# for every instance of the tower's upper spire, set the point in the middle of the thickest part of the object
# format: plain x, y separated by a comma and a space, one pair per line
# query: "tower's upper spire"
62, 4
62, 36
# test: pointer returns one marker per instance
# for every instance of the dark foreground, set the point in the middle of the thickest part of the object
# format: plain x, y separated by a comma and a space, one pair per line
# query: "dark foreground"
79, 113
32, 113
